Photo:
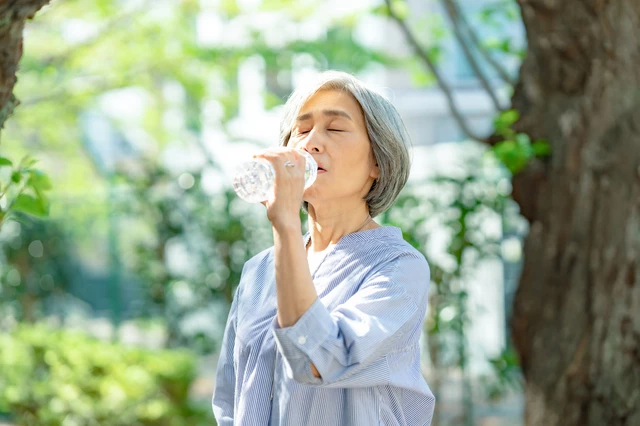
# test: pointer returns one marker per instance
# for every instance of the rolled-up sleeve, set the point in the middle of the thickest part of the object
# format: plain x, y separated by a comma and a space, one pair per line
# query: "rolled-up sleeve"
348, 346
224, 392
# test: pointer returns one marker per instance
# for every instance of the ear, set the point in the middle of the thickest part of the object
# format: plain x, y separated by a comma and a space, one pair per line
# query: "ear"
375, 172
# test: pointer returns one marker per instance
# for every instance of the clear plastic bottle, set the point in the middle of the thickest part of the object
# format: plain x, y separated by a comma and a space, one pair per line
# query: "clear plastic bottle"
254, 180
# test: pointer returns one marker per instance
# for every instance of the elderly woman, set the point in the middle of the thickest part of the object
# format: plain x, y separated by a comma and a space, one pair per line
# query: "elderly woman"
324, 328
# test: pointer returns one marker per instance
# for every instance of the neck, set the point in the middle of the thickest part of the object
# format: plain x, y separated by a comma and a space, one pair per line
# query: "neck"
327, 228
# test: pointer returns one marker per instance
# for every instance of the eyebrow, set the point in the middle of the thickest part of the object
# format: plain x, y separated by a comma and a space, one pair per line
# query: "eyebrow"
326, 112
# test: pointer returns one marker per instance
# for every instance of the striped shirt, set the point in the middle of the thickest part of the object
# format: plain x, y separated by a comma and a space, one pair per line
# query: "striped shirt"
362, 334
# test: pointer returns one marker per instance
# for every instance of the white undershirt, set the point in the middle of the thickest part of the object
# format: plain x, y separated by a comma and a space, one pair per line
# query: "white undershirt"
315, 259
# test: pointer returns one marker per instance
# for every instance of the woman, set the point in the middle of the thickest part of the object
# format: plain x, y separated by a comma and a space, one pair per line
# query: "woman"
324, 328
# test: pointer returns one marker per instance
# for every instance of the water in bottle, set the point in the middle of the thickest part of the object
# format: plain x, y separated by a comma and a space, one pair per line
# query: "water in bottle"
254, 180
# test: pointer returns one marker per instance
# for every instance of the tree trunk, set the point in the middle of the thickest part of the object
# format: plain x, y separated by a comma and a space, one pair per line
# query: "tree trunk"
13, 14
576, 321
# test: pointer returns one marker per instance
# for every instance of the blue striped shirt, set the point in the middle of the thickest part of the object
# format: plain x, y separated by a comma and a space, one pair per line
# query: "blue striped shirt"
362, 334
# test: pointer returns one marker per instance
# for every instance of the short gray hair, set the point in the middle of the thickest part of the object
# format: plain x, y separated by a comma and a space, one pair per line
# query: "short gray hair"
389, 138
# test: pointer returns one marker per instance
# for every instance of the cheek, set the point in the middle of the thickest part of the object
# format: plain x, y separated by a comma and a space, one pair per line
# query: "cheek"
292, 143
351, 175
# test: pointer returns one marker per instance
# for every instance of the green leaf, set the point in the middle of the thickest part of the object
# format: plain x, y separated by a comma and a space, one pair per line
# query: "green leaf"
39, 181
486, 14
30, 205
421, 78
381, 10
541, 148
507, 118
435, 53
505, 46
523, 139
400, 9
513, 156
44, 200
28, 162
16, 177
5, 162
230, 8
512, 14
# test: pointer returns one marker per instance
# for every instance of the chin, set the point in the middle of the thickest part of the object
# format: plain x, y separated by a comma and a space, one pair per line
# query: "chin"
307, 196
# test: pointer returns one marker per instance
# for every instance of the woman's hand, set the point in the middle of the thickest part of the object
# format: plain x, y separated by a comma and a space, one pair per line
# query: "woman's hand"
283, 208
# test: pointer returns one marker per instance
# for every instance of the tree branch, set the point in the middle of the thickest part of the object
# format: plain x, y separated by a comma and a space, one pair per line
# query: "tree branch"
484, 82
111, 27
99, 83
446, 90
475, 40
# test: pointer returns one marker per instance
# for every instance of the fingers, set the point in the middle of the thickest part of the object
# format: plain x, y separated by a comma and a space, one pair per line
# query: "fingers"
280, 156
288, 190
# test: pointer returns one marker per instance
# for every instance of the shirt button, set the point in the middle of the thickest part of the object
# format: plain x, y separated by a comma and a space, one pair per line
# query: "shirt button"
302, 340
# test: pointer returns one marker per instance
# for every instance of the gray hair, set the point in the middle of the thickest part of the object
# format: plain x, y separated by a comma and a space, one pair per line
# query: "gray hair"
389, 138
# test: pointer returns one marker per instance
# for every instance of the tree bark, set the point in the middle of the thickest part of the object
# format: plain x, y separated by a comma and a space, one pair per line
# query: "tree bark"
576, 322
13, 14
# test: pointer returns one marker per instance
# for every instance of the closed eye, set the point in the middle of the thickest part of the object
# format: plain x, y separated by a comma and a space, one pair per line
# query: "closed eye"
335, 130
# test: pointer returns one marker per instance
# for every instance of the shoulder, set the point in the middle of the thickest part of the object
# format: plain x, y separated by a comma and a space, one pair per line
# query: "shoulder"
402, 252
259, 260
401, 264
256, 269
390, 250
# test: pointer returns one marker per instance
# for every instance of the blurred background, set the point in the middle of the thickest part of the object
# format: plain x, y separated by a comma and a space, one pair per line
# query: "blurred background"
138, 112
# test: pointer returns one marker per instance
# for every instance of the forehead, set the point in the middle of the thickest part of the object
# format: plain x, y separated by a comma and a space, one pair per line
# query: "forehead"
333, 99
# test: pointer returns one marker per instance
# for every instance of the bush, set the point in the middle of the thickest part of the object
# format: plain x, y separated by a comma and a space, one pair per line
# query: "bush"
57, 377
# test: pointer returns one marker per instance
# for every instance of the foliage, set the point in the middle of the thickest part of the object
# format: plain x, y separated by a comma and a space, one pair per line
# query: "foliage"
35, 264
122, 85
516, 150
52, 377
463, 205
506, 377
159, 84
218, 233
23, 189
496, 14
158, 71
468, 211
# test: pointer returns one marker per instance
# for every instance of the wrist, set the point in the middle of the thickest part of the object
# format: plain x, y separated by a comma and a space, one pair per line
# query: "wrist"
292, 226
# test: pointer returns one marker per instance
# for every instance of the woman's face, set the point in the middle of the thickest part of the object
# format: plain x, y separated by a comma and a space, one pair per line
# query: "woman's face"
331, 128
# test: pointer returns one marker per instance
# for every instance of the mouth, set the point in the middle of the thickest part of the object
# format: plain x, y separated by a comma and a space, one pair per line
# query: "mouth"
321, 169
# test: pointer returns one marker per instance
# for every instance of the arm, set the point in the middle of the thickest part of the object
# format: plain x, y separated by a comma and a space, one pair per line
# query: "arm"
224, 392
294, 286
348, 346
295, 289
296, 292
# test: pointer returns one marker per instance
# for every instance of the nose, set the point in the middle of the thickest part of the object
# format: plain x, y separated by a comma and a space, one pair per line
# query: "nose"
311, 143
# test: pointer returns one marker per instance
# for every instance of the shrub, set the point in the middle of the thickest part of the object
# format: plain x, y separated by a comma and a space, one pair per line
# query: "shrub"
57, 377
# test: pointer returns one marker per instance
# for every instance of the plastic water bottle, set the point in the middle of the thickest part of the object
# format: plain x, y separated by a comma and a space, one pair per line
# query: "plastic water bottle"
254, 180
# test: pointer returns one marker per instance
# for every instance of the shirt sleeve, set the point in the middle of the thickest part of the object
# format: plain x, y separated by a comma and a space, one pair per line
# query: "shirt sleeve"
224, 392
348, 346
